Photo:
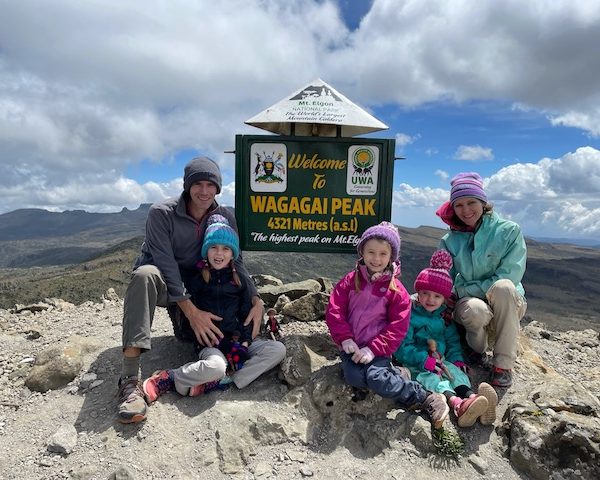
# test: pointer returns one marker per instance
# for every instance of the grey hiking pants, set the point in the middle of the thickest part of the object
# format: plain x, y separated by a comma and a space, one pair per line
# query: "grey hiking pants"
145, 292
264, 355
497, 318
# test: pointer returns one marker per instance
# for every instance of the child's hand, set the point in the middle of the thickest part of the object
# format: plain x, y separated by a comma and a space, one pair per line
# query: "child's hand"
448, 313
367, 355
349, 346
462, 365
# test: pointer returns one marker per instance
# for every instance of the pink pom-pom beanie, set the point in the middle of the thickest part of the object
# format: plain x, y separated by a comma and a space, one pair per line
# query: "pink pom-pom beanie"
436, 278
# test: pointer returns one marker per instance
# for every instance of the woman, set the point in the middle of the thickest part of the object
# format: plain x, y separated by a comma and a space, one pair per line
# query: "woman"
489, 256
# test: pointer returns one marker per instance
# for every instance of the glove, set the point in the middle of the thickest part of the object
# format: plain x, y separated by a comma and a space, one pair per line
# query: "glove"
431, 365
349, 346
364, 355
462, 366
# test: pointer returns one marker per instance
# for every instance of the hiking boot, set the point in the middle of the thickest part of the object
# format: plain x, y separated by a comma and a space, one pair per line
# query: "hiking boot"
501, 377
359, 394
221, 384
132, 405
436, 408
160, 382
487, 391
470, 409
475, 359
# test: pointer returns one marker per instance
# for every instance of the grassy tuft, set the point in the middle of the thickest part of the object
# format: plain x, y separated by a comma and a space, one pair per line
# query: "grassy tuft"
448, 443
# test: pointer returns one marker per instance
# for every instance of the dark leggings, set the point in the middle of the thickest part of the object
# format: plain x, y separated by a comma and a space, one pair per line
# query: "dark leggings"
462, 391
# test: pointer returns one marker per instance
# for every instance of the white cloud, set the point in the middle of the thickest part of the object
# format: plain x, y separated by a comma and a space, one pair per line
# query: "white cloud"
119, 85
402, 139
539, 55
589, 121
553, 197
227, 196
91, 193
443, 175
573, 218
107, 85
473, 153
408, 196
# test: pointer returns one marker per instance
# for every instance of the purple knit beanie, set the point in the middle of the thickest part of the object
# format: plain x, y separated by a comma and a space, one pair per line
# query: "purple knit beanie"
467, 184
436, 278
383, 231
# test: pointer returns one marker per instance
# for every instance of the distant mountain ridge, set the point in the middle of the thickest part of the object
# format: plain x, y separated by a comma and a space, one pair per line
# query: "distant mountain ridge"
582, 242
77, 256
36, 237
32, 223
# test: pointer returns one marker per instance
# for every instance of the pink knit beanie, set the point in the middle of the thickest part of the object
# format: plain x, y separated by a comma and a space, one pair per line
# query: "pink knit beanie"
436, 278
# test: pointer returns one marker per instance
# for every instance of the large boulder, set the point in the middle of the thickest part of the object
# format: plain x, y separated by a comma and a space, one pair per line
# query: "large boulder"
308, 308
56, 366
307, 352
554, 430
294, 290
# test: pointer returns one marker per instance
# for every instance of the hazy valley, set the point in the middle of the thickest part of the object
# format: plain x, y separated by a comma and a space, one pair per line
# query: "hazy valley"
77, 255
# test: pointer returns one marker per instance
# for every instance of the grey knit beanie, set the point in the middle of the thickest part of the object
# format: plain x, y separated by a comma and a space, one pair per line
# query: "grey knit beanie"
201, 168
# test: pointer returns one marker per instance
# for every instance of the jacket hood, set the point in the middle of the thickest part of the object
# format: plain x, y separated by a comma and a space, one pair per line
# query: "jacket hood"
449, 217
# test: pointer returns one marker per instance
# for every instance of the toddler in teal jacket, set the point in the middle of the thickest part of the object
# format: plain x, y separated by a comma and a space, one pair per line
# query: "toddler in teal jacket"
432, 351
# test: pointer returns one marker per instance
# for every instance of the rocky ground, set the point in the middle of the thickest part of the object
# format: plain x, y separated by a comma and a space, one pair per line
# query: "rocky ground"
265, 431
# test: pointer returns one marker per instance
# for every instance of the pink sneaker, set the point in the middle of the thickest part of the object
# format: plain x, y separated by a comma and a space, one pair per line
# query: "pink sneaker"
470, 409
221, 384
487, 391
160, 382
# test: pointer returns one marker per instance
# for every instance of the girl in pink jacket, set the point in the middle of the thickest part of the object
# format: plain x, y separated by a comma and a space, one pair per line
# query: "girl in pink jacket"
368, 317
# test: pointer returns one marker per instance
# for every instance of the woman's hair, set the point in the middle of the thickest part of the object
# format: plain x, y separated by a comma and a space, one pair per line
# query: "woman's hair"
206, 273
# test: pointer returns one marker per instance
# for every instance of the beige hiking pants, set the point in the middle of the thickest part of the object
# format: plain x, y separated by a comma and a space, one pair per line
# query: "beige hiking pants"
497, 317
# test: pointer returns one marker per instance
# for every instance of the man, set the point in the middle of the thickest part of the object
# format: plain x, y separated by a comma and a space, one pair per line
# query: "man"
175, 231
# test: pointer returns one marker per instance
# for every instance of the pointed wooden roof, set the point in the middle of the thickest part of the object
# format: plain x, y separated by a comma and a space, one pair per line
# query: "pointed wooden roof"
317, 109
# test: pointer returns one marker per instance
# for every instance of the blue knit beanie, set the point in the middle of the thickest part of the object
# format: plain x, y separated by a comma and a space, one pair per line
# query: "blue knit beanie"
219, 232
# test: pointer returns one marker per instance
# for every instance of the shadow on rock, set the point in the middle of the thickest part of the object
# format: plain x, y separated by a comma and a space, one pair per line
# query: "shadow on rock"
99, 385
366, 427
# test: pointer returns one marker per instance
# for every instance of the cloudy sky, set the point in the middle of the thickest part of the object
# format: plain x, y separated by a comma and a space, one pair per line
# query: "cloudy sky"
102, 102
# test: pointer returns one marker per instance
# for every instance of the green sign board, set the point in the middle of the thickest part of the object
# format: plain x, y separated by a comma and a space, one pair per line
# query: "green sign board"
310, 194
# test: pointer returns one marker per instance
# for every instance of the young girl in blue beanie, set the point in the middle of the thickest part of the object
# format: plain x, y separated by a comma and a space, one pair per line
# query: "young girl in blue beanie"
368, 317
218, 289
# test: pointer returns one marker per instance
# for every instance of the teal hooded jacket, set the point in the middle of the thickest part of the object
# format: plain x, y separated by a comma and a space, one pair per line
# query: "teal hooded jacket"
496, 250
426, 325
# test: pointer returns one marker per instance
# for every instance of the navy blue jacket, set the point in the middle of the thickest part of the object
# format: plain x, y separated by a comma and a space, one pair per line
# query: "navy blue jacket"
222, 297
